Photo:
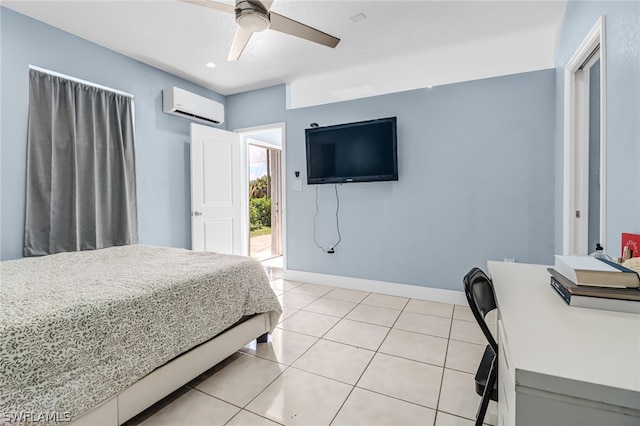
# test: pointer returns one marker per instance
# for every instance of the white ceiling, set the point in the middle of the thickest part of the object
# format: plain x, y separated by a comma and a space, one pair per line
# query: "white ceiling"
401, 45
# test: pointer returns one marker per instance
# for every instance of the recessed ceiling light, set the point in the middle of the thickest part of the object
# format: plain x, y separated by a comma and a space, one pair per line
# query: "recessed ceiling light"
359, 17
210, 65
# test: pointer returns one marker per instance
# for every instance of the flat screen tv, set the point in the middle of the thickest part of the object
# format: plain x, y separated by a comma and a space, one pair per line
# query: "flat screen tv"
365, 151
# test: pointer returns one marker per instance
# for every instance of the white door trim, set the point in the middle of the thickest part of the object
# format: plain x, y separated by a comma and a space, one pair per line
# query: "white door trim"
246, 133
575, 185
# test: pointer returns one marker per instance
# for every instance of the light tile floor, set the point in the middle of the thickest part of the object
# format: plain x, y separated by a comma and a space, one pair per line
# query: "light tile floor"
341, 357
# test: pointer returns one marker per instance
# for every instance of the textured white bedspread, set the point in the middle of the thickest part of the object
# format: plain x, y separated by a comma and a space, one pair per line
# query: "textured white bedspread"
77, 328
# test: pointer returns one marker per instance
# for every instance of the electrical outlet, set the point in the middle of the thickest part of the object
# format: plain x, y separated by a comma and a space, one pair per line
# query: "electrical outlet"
297, 185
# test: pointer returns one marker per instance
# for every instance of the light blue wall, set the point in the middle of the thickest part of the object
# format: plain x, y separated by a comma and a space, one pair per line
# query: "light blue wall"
622, 39
162, 141
476, 181
474, 158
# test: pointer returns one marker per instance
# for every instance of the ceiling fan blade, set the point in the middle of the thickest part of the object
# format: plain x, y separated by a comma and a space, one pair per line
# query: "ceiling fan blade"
213, 5
239, 43
289, 26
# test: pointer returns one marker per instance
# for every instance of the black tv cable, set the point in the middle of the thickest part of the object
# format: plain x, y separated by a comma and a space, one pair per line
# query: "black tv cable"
332, 248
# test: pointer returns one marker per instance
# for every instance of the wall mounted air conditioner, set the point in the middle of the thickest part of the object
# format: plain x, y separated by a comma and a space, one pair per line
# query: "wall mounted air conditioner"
191, 106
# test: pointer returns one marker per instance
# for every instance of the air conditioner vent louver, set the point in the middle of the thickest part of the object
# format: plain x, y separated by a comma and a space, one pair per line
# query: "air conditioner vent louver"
195, 117
188, 105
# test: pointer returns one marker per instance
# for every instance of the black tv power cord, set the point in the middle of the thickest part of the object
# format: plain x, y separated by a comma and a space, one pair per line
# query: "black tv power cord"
332, 248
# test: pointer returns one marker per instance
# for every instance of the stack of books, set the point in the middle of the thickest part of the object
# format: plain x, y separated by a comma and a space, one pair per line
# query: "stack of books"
597, 283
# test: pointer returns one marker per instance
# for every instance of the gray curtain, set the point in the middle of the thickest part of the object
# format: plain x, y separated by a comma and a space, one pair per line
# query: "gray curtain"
81, 180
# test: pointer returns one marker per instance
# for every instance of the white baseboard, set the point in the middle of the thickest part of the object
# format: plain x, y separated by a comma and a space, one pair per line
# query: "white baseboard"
372, 286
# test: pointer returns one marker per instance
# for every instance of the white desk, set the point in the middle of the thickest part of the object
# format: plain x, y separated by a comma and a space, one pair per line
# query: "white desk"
558, 364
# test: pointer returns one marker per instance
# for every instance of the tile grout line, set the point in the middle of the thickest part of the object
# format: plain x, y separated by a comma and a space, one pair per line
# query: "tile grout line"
396, 398
333, 419
287, 367
446, 354
377, 350
266, 386
345, 317
290, 366
357, 347
366, 367
334, 316
371, 360
262, 391
234, 405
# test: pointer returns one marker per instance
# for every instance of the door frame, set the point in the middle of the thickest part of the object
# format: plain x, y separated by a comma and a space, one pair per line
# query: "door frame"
576, 146
275, 160
245, 134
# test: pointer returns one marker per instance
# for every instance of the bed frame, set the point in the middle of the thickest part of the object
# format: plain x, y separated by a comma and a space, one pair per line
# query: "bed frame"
176, 373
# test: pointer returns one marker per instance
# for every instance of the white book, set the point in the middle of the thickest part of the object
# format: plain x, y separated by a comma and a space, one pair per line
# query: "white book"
589, 270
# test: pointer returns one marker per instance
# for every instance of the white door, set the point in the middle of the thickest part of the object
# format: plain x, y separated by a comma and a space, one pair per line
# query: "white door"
215, 190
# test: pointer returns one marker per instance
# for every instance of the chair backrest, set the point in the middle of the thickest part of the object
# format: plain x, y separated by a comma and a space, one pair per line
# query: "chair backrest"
479, 291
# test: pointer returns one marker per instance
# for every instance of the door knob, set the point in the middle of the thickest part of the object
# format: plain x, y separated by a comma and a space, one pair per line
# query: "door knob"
197, 213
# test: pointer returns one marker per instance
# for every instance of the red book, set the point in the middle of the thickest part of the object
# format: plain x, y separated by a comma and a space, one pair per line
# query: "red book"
633, 242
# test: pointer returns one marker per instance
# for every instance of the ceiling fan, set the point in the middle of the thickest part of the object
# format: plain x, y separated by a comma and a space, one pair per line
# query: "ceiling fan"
253, 16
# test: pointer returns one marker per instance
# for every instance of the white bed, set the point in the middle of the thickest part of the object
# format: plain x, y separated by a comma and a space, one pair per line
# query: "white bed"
98, 336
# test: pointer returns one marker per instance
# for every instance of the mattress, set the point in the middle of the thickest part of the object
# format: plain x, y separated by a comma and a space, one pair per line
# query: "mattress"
78, 328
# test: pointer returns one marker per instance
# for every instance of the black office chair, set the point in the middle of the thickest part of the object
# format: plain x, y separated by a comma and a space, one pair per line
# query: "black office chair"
479, 291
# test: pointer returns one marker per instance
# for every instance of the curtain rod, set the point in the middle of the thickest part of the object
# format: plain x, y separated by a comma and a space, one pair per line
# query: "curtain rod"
77, 80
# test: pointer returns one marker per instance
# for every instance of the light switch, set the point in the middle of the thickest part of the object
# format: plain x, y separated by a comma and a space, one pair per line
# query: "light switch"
297, 185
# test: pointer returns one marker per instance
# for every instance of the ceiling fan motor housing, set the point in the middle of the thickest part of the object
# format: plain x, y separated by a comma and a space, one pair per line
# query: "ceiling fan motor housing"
252, 16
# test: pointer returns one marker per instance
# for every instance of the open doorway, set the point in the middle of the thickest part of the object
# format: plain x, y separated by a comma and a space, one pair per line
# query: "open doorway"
263, 196
265, 168
584, 168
